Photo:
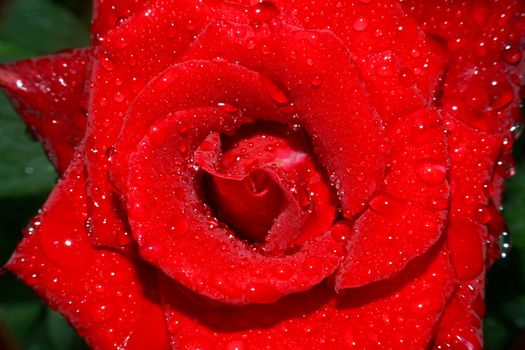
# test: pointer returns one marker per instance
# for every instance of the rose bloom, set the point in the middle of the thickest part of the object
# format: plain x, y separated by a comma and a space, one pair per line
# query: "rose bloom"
285, 174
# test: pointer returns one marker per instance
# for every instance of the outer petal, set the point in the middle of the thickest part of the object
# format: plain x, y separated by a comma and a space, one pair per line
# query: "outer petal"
485, 38
460, 327
49, 94
111, 300
121, 70
373, 27
409, 215
373, 317
107, 14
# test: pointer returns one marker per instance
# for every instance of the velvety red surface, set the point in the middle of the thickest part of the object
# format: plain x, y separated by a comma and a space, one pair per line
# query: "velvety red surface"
288, 174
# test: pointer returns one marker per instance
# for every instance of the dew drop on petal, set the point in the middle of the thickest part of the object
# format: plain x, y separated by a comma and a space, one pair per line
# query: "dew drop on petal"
430, 172
360, 24
511, 55
262, 12
483, 214
119, 97
105, 61
381, 203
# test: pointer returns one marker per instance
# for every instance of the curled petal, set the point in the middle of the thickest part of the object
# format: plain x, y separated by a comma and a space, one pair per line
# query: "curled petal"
49, 94
122, 62
409, 215
185, 242
107, 14
316, 74
111, 300
460, 327
373, 27
318, 319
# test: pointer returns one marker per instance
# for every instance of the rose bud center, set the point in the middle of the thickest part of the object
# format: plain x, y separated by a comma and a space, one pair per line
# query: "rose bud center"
260, 179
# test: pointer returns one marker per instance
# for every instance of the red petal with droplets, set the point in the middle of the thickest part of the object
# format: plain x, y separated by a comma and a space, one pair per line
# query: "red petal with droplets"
484, 37
361, 78
49, 94
460, 327
185, 241
111, 300
408, 217
167, 28
383, 315
265, 169
373, 27
318, 76
108, 14
127, 67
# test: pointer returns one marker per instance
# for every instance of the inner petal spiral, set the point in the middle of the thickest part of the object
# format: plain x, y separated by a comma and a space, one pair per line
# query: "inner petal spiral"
261, 183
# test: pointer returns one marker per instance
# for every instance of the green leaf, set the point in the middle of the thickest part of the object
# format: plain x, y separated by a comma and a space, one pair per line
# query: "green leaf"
21, 317
10, 52
498, 333
42, 27
61, 335
24, 168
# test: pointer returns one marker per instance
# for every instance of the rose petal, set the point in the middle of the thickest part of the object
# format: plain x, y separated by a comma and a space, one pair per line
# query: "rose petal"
48, 92
127, 67
268, 180
318, 319
183, 240
391, 85
108, 14
474, 157
386, 238
460, 327
482, 37
108, 298
323, 84
373, 27
408, 217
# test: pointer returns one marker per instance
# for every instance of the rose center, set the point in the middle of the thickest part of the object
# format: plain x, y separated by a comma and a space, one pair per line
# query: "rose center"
266, 186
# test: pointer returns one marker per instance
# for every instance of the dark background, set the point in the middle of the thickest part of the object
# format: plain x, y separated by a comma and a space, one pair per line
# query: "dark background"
38, 27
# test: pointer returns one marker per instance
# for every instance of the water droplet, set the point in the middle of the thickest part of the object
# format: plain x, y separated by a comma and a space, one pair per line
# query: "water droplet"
173, 325
119, 97
483, 214
516, 130
165, 80
360, 24
100, 312
157, 135
312, 266
262, 12
511, 55
506, 166
340, 232
191, 26
501, 94
105, 61
316, 82
431, 172
227, 107
282, 271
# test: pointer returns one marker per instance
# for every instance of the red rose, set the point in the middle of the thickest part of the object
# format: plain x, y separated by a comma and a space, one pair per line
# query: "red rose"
282, 175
